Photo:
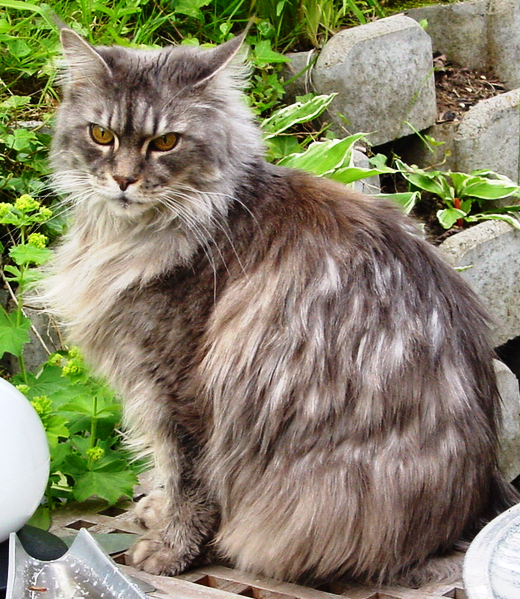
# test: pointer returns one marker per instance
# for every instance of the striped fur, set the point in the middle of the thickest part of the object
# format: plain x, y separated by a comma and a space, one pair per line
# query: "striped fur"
314, 382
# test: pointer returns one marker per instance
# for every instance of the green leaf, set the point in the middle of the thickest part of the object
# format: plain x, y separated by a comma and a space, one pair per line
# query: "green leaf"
406, 200
110, 486
15, 102
449, 216
56, 429
190, 8
510, 219
489, 189
294, 114
323, 157
24, 254
13, 333
263, 54
350, 174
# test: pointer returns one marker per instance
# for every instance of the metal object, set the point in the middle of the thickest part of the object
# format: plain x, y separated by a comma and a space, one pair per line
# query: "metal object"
492, 563
84, 571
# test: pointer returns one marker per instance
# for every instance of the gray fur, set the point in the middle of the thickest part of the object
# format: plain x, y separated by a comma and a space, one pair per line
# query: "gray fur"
314, 383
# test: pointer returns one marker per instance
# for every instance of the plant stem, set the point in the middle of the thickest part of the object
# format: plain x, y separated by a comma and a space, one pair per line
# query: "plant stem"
93, 430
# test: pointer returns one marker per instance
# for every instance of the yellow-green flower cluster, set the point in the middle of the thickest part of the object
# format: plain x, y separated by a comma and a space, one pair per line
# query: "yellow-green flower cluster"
26, 203
37, 240
55, 360
95, 453
5, 208
42, 405
23, 388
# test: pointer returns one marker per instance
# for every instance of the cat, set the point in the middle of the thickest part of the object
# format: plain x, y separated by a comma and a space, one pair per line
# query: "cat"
314, 383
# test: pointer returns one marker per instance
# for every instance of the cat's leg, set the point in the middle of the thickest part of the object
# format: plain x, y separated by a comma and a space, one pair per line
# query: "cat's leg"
180, 521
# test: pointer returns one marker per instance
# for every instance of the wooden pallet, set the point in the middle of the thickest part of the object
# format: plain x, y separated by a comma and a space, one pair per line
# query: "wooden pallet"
218, 582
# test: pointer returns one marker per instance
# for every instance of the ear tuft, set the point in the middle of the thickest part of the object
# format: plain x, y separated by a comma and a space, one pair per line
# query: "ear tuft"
81, 62
217, 59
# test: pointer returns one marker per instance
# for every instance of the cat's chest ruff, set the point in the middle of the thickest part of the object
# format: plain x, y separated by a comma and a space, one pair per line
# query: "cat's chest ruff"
88, 277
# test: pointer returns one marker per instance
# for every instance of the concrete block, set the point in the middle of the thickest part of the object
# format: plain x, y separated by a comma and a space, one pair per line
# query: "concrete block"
491, 249
487, 136
383, 74
457, 30
369, 185
299, 62
504, 40
509, 451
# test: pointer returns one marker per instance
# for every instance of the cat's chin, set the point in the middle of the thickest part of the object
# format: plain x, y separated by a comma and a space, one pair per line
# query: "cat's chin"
123, 206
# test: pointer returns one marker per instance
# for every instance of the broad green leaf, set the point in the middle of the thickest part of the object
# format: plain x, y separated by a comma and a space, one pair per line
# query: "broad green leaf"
294, 114
510, 219
264, 54
449, 216
41, 518
323, 157
282, 146
13, 332
15, 102
406, 200
489, 189
24, 254
190, 8
55, 428
350, 174
110, 486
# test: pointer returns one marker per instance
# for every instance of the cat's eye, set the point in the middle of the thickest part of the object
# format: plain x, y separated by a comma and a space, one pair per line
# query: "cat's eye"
101, 135
165, 142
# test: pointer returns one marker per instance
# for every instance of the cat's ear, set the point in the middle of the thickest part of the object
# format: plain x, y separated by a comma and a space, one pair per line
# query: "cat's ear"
217, 59
82, 62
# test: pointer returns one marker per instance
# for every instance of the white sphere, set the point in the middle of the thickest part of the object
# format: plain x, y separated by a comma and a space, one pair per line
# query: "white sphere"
24, 460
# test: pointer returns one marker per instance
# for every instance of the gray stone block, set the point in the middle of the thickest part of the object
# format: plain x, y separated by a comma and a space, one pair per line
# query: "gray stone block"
300, 63
369, 185
491, 249
383, 75
457, 30
509, 451
487, 136
504, 40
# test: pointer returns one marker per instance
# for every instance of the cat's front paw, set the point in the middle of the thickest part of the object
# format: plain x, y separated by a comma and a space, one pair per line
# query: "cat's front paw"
154, 555
151, 511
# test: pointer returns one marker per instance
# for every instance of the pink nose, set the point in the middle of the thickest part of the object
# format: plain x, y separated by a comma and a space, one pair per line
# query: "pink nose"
123, 182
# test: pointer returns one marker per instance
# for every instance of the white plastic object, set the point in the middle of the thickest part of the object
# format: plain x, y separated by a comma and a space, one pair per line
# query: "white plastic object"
24, 460
492, 562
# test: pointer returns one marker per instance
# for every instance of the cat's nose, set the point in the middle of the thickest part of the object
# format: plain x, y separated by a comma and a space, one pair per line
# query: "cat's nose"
123, 182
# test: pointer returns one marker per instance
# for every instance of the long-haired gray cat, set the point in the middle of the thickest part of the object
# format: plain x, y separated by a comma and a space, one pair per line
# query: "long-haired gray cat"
315, 384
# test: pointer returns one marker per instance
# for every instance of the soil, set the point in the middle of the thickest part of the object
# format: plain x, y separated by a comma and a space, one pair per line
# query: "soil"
458, 89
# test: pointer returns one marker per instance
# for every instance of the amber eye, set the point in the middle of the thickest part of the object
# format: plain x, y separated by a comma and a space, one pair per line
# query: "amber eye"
165, 142
101, 135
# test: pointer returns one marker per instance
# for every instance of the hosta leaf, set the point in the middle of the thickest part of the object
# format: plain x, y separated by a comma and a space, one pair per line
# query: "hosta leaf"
406, 200
294, 114
449, 216
323, 157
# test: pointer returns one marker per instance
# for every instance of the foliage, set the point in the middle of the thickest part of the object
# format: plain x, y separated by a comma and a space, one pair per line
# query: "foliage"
81, 420
467, 197
78, 412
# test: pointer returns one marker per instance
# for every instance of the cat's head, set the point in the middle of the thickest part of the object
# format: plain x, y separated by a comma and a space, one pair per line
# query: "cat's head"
151, 130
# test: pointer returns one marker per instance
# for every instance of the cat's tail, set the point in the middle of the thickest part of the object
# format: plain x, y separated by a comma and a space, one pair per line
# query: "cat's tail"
447, 569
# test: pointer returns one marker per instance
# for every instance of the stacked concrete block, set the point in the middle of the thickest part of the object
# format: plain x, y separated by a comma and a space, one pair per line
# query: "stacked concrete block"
383, 75
487, 136
458, 30
490, 251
